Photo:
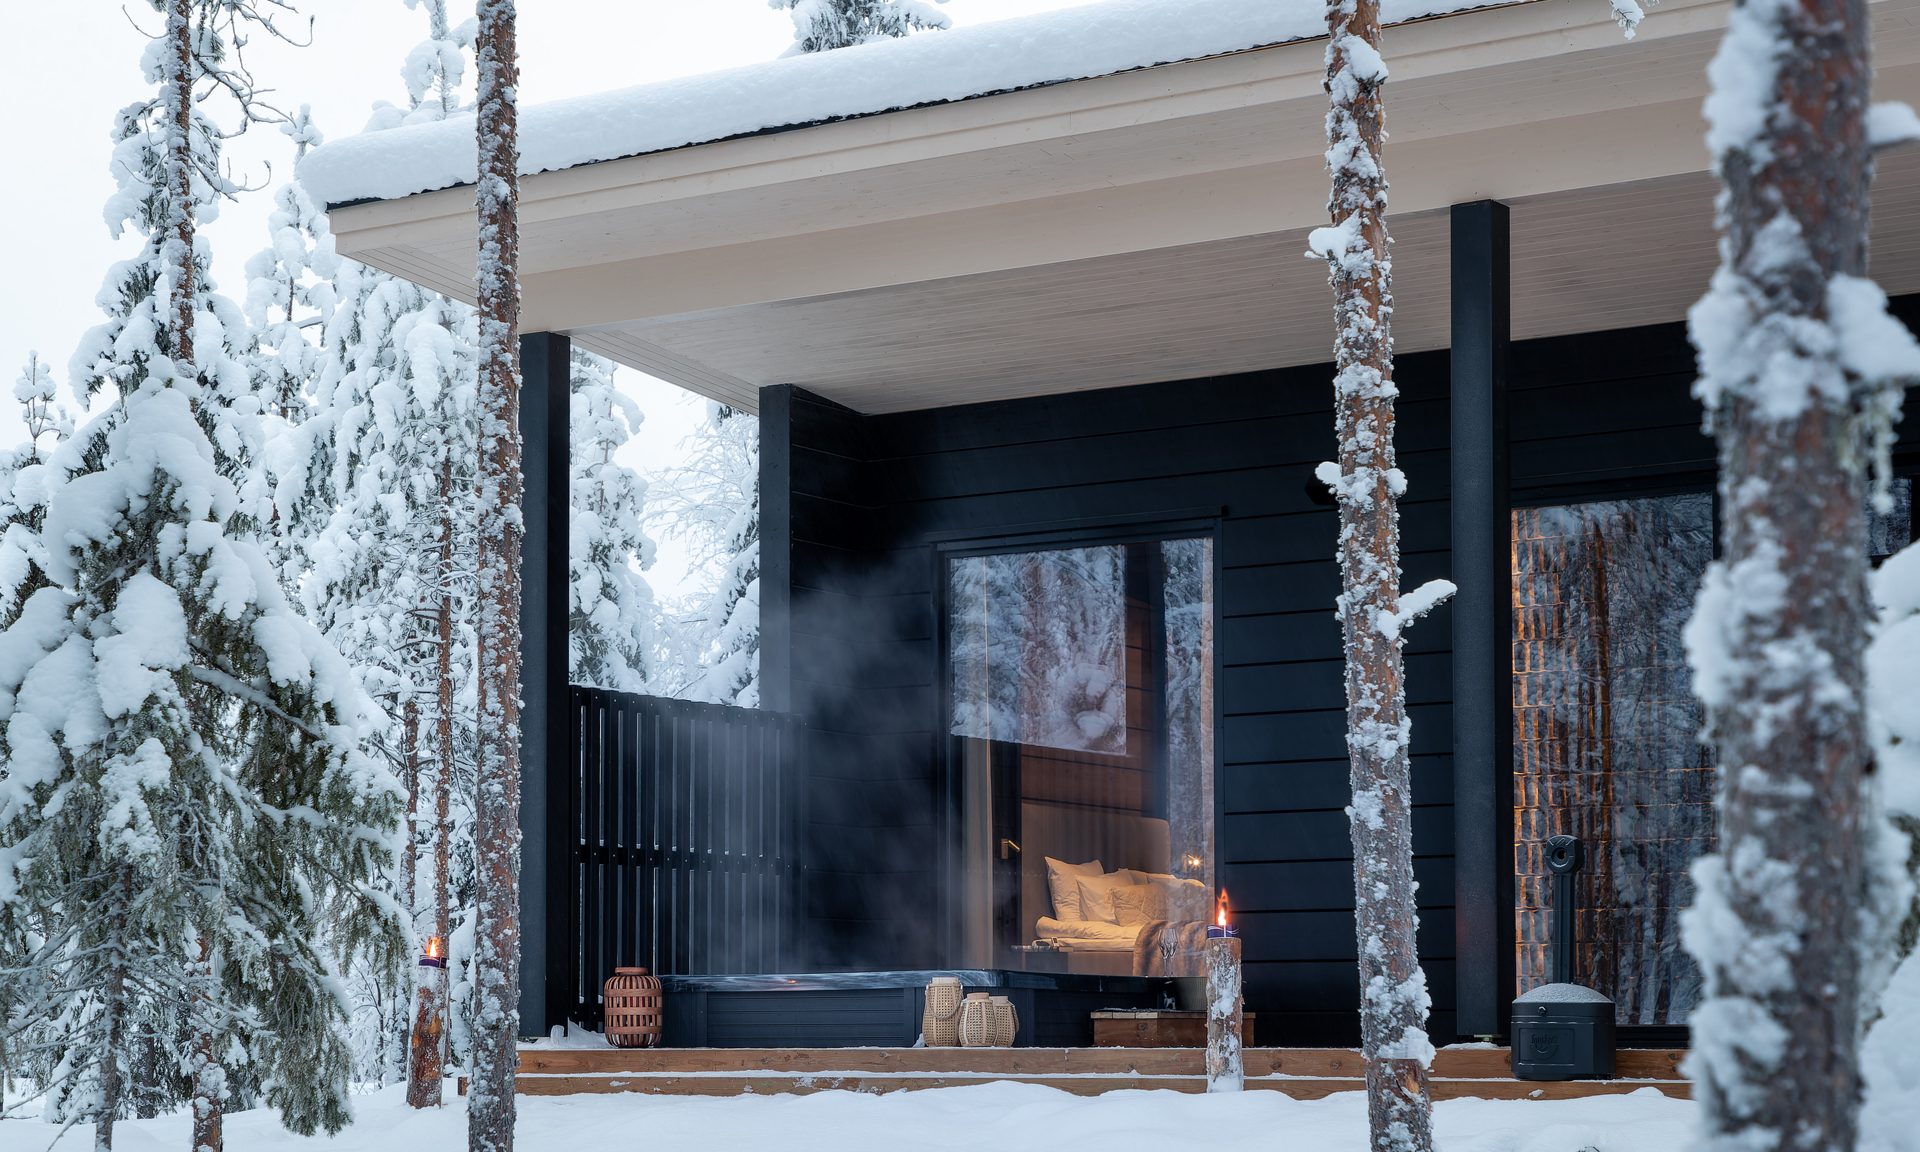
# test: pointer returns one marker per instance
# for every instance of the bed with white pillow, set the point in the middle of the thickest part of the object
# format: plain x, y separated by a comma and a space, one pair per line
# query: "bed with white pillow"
1097, 916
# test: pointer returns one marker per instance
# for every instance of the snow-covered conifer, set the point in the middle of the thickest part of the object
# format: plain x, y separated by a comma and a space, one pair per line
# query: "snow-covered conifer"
187, 804
1801, 372
823, 25
712, 503
1374, 613
389, 457
611, 614
432, 71
26, 476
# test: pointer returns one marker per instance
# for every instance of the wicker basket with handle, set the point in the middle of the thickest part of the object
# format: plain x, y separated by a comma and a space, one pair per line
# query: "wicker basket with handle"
940, 1024
988, 1022
634, 1008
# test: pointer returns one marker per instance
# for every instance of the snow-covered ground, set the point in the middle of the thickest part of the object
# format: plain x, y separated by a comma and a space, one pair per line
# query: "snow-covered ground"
997, 1117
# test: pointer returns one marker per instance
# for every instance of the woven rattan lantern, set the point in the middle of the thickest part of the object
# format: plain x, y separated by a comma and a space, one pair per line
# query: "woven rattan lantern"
634, 1008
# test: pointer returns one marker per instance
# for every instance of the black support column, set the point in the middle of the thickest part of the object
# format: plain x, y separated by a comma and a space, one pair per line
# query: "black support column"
546, 942
776, 548
1482, 621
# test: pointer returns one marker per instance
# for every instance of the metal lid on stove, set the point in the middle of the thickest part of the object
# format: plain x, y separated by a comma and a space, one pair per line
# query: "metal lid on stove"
1561, 994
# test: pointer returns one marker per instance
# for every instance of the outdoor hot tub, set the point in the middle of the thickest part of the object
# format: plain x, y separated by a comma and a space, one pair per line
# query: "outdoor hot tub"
882, 1009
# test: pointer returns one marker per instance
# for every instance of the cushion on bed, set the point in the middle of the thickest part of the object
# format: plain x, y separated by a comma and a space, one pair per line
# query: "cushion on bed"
1096, 895
1062, 886
1139, 903
1186, 899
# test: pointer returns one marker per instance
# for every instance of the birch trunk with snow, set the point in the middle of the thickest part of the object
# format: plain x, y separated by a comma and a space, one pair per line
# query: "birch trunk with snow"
1799, 373
497, 807
1366, 485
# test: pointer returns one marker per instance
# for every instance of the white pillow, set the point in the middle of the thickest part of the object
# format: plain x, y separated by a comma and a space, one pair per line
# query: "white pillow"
1096, 895
1062, 886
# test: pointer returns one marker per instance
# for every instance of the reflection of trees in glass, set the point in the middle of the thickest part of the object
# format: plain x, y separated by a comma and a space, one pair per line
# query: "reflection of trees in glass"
1188, 596
1605, 740
1039, 648
1892, 530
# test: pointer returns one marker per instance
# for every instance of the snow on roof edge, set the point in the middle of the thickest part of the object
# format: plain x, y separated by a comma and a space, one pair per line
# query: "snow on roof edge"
792, 92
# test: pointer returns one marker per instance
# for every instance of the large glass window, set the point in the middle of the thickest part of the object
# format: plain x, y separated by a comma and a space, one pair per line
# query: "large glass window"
1605, 741
1081, 687
1606, 735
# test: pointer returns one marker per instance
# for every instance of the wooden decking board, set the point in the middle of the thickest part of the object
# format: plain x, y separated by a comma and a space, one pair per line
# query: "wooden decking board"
1335, 1063
1303, 1073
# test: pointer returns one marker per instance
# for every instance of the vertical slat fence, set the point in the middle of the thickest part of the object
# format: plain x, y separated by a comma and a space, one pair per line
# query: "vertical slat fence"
682, 852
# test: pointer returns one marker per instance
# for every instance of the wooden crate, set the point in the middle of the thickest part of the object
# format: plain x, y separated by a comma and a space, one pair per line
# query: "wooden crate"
1159, 1029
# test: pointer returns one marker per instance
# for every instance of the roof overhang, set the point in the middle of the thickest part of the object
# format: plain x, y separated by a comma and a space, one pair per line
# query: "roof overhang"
1136, 227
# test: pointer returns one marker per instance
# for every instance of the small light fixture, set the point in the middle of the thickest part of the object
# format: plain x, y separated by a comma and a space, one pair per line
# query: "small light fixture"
433, 953
1191, 862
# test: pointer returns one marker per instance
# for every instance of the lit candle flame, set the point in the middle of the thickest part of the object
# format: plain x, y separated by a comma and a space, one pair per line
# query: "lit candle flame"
436, 948
1221, 919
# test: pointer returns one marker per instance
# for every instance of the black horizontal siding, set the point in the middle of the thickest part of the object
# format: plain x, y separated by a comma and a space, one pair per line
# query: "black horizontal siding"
1241, 449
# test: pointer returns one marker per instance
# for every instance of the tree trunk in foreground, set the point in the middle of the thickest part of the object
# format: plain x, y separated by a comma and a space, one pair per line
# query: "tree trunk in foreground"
496, 833
1393, 991
177, 103
208, 1076
1784, 337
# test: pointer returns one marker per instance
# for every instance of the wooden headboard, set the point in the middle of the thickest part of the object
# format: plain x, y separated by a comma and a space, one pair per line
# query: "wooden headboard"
1076, 835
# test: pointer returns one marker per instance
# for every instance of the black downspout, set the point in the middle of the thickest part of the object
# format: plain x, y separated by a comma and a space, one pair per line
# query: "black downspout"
546, 930
1482, 621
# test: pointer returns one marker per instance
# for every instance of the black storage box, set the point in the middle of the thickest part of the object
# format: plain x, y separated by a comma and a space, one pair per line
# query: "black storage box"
1562, 1032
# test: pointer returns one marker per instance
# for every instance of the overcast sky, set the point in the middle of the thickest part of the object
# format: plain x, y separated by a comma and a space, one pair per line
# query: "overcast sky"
69, 66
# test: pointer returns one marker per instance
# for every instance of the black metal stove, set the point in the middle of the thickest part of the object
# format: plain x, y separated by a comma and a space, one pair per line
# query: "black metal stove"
1562, 1030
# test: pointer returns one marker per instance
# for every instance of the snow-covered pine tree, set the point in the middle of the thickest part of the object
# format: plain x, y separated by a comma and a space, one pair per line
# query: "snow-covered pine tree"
712, 502
289, 303
1801, 373
389, 462
432, 72
611, 615
823, 25
496, 836
392, 565
1374, 615
25, 478
215, 811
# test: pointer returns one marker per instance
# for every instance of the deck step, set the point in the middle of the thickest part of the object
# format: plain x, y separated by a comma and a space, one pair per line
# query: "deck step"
1303, 1073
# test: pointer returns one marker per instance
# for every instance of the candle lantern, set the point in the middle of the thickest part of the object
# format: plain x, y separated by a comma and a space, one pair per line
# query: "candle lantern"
1225, 1067
1220, 929
633, 1007
433, 954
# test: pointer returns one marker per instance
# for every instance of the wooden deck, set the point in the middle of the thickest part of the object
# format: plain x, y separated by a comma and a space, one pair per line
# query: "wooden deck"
1303, 1073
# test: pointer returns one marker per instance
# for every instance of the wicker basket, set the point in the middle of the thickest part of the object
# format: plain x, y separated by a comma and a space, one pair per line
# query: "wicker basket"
940, 1025
988, 1022
634, 1009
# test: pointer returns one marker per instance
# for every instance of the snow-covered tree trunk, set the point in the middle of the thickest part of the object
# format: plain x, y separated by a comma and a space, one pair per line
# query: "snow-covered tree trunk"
497, 806
1800, 370
177, 103
205, 1074
1373, 614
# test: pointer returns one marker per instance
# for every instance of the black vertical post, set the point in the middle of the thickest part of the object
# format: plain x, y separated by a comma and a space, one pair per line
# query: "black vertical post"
776, 548
1482, 621
546, 941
